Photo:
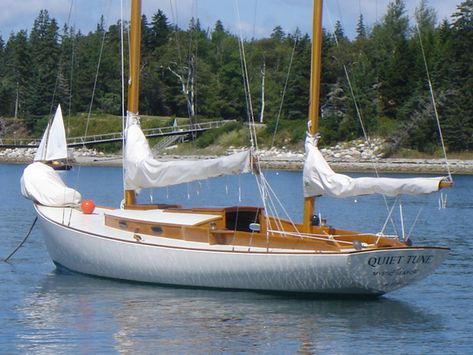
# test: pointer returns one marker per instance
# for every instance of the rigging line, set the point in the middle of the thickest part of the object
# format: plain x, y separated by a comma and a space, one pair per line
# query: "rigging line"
91, 104
260, 180
325, 238
22, 242
434, 102
254, 17
283, 209
60, 62
193, 36
284, 89
261, 191
389, 215
71, 78
176, 31
414, 223
97, 70
238, 205
192, 71
73, 58
263, 185
339, 10
249, 104
352, 93
246, 81
376, 11
268, 196
359, 114
245, 71
277, 219
247, 98
270, 206
401, 214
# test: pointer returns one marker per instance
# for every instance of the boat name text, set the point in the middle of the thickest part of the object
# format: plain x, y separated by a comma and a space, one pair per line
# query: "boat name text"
400, 259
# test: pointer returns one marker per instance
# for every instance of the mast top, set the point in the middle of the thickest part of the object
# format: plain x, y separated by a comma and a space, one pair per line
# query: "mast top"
135, 54
315, 69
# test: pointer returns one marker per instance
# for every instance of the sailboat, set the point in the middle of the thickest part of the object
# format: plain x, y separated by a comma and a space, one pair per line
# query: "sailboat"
52, 149
236, 247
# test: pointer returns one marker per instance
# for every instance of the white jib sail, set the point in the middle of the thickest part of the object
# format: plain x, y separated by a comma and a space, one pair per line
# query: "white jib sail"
143, 171
53, 145
320, 180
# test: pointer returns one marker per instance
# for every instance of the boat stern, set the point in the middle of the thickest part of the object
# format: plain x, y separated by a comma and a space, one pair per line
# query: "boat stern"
385, 270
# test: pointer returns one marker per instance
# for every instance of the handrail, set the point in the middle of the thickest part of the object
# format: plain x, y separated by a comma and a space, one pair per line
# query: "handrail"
117, 136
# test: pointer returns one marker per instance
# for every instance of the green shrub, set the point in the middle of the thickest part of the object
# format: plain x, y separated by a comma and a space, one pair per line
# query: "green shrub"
209, 137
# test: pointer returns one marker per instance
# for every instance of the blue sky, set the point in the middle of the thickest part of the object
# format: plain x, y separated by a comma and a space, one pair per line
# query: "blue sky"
256, 17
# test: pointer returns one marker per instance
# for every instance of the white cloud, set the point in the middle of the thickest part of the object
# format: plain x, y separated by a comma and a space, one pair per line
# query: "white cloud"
259, 17
16, 15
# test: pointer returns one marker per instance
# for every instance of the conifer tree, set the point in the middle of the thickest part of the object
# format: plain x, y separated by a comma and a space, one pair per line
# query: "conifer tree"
360, 28
44, 48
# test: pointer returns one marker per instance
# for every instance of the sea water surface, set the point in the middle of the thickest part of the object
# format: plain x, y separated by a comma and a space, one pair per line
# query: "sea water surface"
45, 311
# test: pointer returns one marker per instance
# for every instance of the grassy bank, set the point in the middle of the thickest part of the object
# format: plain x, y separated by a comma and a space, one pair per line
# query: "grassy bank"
289, 135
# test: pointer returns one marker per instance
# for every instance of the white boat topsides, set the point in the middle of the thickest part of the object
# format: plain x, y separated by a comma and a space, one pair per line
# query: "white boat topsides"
83, 243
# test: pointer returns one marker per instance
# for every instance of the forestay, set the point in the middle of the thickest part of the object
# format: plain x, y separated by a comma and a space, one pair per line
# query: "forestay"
143, 171
53, 145
320, 180
42, 184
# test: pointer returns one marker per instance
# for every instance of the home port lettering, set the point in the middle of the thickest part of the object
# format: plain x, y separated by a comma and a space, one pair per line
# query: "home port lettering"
400, 260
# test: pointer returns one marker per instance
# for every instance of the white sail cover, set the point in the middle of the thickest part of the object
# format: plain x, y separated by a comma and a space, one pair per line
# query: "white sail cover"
143, 171
320, 180
42, 184
53, 145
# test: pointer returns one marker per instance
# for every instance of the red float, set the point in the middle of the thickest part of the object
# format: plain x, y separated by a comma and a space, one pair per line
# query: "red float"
87, 206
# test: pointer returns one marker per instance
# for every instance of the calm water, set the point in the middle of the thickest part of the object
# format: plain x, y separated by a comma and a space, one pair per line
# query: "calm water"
46, 311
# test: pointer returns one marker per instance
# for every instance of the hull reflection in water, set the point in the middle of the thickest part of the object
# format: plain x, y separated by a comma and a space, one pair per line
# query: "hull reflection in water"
140, 319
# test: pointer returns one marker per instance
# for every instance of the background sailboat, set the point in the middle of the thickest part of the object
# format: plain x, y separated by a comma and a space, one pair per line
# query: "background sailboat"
52, 149
240, 247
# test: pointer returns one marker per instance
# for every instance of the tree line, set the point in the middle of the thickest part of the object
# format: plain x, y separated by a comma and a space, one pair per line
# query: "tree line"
197, 72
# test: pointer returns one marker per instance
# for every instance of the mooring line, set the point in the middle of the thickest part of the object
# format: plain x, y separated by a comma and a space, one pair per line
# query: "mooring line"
22, 242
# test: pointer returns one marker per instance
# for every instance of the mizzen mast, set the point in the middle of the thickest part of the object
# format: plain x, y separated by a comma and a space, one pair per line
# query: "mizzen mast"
315, 74
134, 79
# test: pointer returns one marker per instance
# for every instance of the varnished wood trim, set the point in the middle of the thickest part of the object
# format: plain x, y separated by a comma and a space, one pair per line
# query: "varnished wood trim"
249, 251
444, 184
146, 207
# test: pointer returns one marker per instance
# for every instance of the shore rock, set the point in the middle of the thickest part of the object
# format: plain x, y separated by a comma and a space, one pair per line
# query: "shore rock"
356, 156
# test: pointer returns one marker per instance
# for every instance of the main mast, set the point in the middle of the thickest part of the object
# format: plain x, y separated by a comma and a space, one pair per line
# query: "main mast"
315, 73
134, 80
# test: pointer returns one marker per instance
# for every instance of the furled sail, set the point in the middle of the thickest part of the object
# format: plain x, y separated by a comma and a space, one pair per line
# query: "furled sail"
53, 145
143, 171
320, 180
42, 184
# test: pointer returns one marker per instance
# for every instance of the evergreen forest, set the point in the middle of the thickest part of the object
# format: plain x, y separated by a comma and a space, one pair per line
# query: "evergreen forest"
198, 72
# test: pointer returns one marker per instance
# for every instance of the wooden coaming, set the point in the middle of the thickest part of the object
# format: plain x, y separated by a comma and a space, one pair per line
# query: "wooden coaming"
145, 207
282, 234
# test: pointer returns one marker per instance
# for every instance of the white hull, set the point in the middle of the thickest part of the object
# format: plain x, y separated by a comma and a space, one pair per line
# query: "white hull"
113, 253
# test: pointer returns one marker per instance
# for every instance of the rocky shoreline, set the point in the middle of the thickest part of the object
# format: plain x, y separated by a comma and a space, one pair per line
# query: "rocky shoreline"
349, 157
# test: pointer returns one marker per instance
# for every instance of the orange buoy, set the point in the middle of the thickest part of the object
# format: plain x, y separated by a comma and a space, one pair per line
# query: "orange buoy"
87, 206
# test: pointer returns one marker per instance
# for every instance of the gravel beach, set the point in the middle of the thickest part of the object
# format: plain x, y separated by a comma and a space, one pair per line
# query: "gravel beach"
347, 161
